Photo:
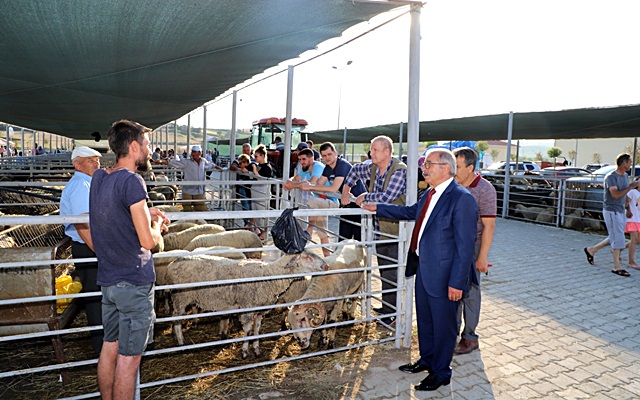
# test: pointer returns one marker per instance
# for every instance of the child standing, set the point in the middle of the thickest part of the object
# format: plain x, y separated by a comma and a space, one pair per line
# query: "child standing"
633, 224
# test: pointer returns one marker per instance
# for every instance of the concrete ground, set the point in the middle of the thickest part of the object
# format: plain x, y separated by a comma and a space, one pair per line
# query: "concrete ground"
552, 326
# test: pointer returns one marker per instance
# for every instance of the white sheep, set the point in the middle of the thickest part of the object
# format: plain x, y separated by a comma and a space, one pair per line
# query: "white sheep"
574, 220
161, 264
314, 314
239, 239
238, 295
530, 213
180, 240
180, 226
547, 215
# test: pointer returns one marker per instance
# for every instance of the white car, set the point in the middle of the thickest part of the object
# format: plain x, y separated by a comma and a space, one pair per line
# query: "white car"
523, 166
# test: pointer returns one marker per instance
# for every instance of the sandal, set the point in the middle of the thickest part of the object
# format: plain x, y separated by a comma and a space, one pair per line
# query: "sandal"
634, 266
589, 256
620, 272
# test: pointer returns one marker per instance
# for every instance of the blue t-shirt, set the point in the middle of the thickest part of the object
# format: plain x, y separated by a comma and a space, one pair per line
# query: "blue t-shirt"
115, 240
317, 170
74, 201
342, 169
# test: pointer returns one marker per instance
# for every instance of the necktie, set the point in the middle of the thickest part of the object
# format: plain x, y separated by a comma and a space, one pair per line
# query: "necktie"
416, 229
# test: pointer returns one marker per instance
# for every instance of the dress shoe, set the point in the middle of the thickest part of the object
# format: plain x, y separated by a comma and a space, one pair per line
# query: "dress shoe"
465, 347
432, 382
378, 310
413, 368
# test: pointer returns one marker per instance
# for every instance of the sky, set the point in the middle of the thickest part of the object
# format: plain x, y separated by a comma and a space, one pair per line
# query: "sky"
477, 58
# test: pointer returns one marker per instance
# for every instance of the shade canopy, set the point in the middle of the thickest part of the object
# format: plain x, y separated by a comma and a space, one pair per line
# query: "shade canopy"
583, 123
72, 67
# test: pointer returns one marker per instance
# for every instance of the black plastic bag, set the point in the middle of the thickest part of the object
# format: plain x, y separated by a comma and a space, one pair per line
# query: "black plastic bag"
287, 235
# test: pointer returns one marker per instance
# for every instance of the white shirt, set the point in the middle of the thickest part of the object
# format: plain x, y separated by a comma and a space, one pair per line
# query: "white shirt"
434, 199
634, 205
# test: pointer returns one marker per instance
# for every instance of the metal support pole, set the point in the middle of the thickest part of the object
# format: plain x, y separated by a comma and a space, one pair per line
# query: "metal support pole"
8, 145
344, 143
413, 130
188, 135
204, 130
505, 194
22, 142
286, 164
233, 136
175, 138
400, 141
635, 160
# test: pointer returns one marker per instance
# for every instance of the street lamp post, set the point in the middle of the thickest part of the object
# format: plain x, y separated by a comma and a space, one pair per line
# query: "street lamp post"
344, 149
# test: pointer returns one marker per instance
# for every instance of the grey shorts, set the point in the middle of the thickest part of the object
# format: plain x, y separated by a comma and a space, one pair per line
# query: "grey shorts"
128, 316
615, 222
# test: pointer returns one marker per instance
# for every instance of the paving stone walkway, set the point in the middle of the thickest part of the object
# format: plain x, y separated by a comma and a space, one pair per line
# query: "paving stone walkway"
552, 326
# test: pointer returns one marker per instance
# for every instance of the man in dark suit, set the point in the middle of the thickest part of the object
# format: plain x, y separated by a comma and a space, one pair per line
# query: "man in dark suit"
444, 240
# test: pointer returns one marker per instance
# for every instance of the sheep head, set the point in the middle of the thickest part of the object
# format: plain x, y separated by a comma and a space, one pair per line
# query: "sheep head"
310, 315
306, 262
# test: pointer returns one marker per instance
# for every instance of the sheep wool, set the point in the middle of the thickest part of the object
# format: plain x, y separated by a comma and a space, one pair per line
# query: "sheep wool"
235, 296
179, 240
239, 239
321, 286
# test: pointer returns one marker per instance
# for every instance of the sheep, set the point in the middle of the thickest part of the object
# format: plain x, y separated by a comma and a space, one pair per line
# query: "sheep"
165, 208
160, 264
238, 295
168, 192
574, 220
180, 226
547, 215
321, 286
156, 196
239, 239
529, 213
179, 240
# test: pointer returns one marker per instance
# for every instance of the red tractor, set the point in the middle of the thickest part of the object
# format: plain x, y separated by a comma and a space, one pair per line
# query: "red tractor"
266, 130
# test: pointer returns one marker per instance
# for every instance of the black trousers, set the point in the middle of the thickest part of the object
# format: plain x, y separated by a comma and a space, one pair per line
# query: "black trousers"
350, 224
391, 274
88, 274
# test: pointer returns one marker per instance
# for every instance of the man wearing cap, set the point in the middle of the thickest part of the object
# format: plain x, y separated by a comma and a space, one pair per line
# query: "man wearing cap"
74, 201
194, 170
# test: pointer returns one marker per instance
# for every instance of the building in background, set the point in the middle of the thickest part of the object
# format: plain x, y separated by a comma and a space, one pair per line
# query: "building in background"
594, 151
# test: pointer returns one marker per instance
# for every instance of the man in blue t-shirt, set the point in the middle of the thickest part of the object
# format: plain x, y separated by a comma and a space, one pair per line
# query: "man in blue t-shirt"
333, 175
308, 171
124, 230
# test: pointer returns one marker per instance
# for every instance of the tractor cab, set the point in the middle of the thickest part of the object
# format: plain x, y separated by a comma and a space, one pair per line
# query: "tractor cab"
266, 130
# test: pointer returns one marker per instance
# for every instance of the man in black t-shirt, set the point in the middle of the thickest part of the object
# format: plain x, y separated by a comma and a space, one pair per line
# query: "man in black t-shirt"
335, 171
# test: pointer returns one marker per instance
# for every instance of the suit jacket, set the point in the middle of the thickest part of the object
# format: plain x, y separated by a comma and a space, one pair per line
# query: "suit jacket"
447, 243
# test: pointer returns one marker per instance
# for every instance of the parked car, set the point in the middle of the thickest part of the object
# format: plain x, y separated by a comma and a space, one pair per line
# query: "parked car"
564, 172
592, 186
522, 167
593, 167
597, 177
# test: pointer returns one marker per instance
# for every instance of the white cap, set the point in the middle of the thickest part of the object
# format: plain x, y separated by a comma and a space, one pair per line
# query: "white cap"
196, 148
84, 151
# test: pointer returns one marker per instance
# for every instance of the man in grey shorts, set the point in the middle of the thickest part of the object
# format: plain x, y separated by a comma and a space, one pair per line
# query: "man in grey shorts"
616, 187
124, 230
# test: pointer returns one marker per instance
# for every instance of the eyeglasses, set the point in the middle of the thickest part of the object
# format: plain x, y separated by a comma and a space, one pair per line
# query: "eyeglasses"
428, 164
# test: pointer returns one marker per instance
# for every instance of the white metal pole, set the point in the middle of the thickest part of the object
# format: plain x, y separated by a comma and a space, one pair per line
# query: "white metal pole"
188, 135
204, 130
505, 194
22, 142
286, 164
413, 137
233, 135
175, 138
